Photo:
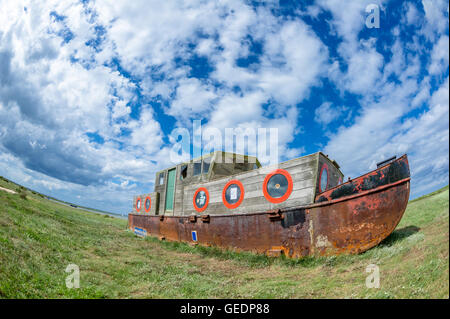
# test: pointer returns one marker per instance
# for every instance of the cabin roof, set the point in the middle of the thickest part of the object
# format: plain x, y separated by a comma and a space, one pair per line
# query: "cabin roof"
254, 159
213, 155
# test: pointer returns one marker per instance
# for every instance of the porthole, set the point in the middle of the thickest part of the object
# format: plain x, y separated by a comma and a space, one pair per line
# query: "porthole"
277, 186
138, 204
201, 199
147, 204
233, 194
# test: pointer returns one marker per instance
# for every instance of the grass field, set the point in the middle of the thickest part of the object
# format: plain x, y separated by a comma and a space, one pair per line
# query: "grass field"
39, 238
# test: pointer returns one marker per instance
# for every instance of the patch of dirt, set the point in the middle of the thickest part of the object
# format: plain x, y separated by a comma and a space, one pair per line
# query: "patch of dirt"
7, 190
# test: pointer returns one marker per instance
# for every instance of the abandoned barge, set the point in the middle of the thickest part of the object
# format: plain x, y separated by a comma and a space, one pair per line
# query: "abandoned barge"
297, 208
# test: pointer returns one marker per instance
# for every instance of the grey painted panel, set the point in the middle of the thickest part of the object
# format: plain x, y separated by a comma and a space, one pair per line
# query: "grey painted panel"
304, 171
334, 174
154, 197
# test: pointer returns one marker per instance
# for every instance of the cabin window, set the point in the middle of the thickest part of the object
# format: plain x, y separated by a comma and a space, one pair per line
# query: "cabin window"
183, 173
161, 178
206, 164
277, 185
197, 168
240, 167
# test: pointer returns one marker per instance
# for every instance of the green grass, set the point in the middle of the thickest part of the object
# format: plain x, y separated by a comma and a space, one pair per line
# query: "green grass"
39, 238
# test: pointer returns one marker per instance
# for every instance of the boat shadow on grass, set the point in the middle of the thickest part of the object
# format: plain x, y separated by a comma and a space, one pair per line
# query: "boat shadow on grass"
399, 235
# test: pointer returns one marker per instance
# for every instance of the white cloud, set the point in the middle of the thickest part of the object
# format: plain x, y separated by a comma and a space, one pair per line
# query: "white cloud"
361, 57
383, 125
233, 109
192, 99
120, 109
379, 133
348, 18
412, 14
364, 69
436, 13
327, 113
48, 102
297, 58
439, 56
292, 61
146, 133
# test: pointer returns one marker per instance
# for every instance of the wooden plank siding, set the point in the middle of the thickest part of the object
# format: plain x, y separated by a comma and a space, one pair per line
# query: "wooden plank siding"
334, 173
303, 171
154, 197
180, 184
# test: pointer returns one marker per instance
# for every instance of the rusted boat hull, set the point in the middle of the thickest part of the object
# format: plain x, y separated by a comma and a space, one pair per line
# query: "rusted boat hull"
357, 223
352, 222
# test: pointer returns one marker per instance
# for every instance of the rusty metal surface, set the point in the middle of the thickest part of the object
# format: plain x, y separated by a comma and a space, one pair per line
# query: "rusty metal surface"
358, 224
344, 224
385, 175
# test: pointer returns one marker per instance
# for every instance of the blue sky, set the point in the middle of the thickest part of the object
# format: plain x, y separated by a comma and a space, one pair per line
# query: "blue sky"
90, 91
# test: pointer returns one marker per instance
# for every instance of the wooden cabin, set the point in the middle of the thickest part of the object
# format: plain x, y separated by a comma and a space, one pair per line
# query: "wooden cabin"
228, 183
